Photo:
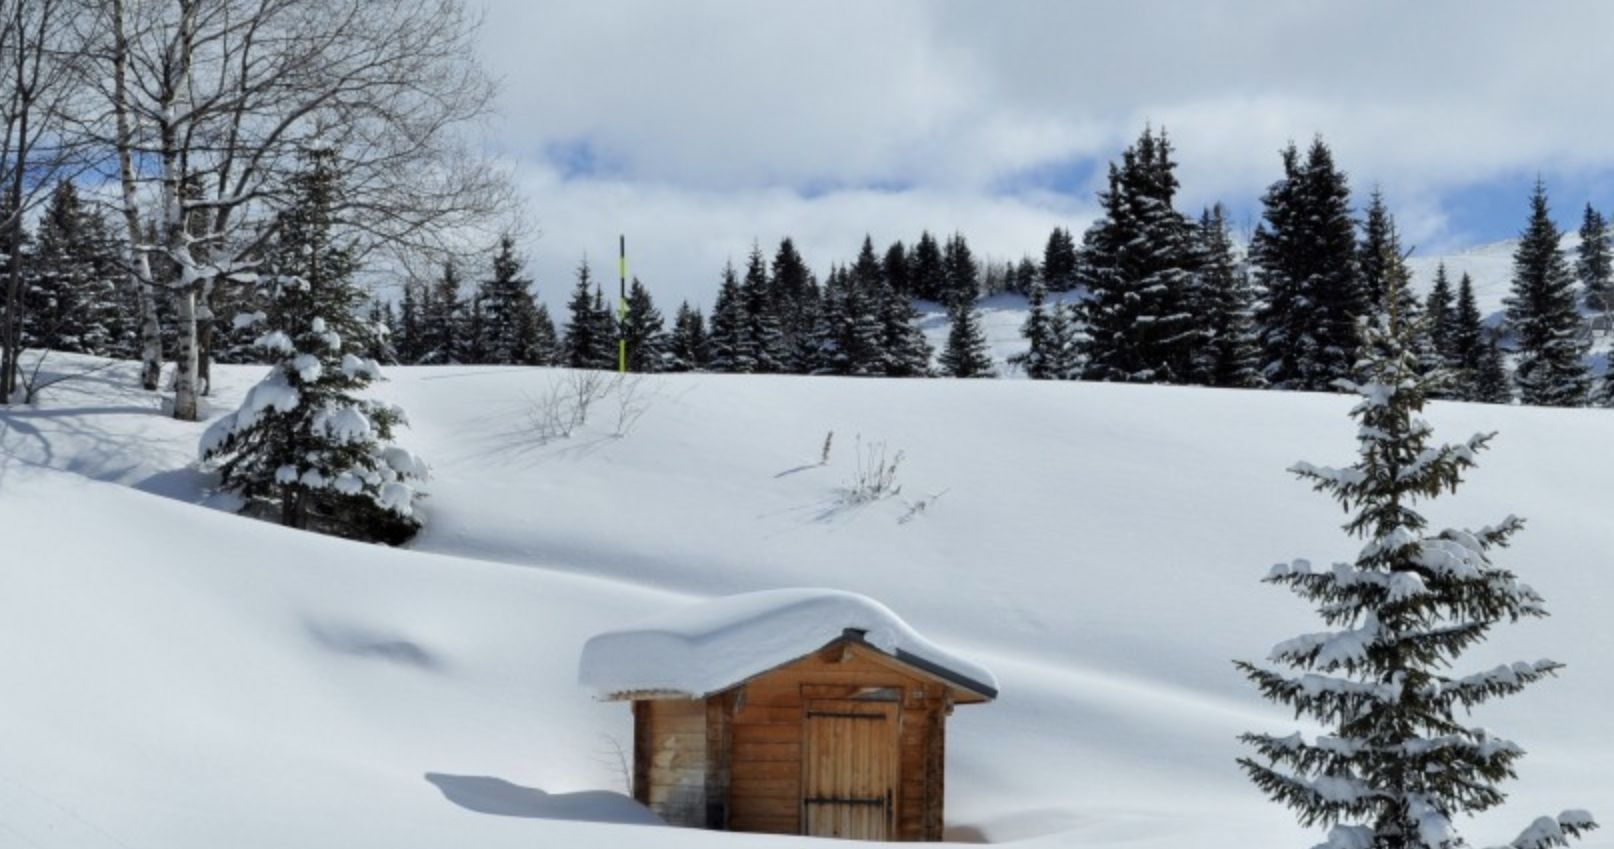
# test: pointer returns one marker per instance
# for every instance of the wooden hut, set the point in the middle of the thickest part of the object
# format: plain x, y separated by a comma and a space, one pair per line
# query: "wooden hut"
796, 712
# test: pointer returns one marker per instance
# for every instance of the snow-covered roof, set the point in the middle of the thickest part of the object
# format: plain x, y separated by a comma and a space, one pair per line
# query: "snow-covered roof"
710, 646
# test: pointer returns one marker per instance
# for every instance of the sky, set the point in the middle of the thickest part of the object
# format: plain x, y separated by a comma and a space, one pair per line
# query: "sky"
699, 127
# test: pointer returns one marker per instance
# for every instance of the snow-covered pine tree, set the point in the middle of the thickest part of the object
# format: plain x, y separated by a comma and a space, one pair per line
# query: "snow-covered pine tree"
928, 273
962, 279
1232, 356
728, 344
862, 332
1542, 313
1493, 384
1058, 271
895, 268
443, 326
1440, 306
643, 331
1137, 268
795, 294
71, 302
588, 342
507, 309
1467, 339
762, 322
1594, 264
1304, 254
302, 436
1396, 766
1036, 331
966, 354
686, 347
907, 353
382, 320
407, 340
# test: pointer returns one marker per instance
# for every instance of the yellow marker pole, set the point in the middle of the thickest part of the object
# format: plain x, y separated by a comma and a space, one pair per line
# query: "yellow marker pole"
622, 304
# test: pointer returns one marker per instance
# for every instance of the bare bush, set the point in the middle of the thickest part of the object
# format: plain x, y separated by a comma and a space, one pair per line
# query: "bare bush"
823, 458
876, 474
565, 405
631, 402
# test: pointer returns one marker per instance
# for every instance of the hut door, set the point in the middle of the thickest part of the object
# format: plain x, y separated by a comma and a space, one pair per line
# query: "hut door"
849, 769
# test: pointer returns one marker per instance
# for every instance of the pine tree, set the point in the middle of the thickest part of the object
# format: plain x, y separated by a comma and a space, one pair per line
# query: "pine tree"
643, 331
1306, 271
895, 268
1232, 356
382, 320
1058, 270
443, 330
795, 298
728, 345
606, 353
928, 271
1593, 263
762, 322
1374, 256
966, 354
1396, 767
687, 344
407, 340
587, 342
302, 437
962, 278
1467, 340
507, 310
907, 353
1141, 313
1492, 383
1038, 336
71, 300
1542, 314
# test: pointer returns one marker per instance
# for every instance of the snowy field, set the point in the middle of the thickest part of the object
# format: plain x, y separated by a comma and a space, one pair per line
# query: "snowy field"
176, 677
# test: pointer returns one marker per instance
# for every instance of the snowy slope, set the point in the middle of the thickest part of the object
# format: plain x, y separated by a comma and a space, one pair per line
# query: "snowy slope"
180, 677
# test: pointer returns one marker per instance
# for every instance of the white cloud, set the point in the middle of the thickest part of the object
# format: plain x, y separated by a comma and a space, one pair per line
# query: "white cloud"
706, 119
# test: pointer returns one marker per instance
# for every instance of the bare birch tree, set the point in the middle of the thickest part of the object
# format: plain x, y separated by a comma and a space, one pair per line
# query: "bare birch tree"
212, 100
39, 145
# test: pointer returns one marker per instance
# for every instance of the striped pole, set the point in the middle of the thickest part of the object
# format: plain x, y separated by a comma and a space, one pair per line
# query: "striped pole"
622, 304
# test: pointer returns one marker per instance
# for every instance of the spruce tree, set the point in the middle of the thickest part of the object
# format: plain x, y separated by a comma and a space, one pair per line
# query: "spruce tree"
444, 329
962, 282
1467, 340
1231, 357
1441, 309
928, 269
607, 352
1493, 384
728, 345
966, 354
1035, 330
1593, 263
506, 310
587, 343
302, 437
1541, 312
1396, 766
762, 322
1142, 316
895, 268
407, 340
795, 298
643, 331
1304, 254
686, 347
1058, 270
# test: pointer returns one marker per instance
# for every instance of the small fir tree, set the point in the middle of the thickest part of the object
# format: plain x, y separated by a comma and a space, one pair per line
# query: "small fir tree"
1058, 270
1396, 766
1541, 311
966, 354
687, 344
1593, 263
643, 331
1232, 356
1467, 339
728, 345
928, 272
1034, 360
302, 437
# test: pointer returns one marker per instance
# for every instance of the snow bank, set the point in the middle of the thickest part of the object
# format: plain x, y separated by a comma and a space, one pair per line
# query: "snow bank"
707, 647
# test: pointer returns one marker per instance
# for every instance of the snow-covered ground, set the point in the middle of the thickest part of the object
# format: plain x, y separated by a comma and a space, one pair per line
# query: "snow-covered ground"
179, 677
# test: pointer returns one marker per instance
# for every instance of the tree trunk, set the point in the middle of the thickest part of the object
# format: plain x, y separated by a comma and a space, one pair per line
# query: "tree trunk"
11, 328
185, 408
204, 342
151, 335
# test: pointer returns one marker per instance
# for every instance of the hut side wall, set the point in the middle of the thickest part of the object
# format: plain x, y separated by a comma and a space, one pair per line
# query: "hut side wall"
670, 759
766, 731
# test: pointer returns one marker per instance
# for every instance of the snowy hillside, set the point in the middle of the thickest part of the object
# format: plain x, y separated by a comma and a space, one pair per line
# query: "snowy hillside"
179, 677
